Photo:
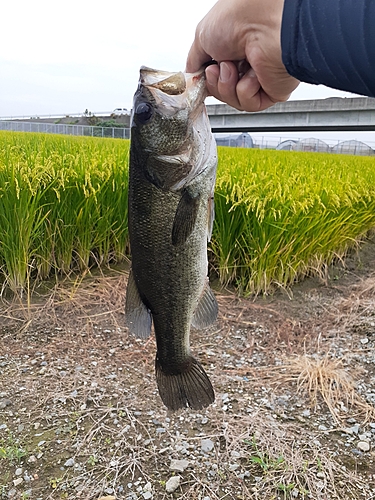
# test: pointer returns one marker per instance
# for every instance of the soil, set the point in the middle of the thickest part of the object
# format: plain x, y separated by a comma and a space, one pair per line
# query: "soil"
294, 377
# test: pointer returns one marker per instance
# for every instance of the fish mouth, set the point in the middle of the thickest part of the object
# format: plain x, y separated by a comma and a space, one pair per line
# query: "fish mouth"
168, 86
169, 83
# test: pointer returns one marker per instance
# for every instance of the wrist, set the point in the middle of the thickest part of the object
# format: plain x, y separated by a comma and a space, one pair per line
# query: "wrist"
263, 40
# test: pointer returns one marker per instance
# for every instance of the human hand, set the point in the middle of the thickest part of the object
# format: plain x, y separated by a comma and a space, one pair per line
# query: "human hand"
243, 36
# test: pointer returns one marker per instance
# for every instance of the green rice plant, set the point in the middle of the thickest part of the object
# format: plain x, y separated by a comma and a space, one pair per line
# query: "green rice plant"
20, 216
283, 215
63, 205
279, 215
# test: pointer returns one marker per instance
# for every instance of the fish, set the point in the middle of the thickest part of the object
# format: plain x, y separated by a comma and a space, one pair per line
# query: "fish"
172, 173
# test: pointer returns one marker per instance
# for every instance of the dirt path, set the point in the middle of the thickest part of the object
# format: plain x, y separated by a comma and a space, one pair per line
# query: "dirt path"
294, 417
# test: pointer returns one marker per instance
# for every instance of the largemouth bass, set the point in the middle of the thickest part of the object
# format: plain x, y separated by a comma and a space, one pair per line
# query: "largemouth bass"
172, 174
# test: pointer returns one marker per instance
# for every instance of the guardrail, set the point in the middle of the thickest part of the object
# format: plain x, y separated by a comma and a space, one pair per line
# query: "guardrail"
62, 115
60, 128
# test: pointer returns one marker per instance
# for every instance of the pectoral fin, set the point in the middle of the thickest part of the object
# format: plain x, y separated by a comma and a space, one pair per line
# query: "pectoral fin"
185, 217
137, 316
207, 309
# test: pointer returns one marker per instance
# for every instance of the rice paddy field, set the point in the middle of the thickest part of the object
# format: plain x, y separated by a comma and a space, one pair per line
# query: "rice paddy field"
279, 215
80, 414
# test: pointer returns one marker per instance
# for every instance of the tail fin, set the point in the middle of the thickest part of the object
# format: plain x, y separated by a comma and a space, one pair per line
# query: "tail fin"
189, 388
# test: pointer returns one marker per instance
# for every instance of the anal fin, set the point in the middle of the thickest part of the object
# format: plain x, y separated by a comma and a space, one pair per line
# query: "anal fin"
206, 312
138, 317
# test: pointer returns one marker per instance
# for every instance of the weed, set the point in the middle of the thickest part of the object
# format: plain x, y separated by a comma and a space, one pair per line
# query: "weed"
92, 460
261, 459
3, 491
54, 482
11, 450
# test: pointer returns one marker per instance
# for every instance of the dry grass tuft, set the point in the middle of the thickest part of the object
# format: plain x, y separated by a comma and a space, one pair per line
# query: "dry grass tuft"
326, 378
283, 465
359, 304
85, 301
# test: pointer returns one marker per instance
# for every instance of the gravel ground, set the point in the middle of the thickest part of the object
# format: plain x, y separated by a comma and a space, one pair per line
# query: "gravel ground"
294, 417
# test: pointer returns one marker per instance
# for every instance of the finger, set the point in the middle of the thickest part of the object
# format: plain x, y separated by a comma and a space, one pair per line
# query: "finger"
253, 96
250, 94
212, 78
227, 86
222, 83
196, 57
245, 93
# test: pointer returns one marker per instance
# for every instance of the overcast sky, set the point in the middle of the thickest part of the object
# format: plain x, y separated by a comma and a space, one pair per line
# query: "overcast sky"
65, 57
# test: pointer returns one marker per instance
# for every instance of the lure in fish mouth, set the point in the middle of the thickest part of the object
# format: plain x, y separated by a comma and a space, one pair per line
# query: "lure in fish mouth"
172, 174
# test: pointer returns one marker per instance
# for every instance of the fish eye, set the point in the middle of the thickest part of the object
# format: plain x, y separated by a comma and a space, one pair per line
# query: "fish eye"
144, 112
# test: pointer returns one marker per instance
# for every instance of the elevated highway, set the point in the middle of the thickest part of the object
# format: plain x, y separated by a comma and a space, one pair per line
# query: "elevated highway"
334, 113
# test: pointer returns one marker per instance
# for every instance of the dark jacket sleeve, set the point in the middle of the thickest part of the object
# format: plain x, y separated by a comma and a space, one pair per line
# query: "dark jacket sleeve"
331, 42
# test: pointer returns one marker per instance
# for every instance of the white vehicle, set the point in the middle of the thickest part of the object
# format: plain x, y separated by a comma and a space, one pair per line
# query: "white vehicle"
120, 111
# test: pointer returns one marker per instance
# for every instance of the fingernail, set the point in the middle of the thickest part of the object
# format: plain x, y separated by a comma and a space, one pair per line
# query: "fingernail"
251, 73
225, 72
211, 78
